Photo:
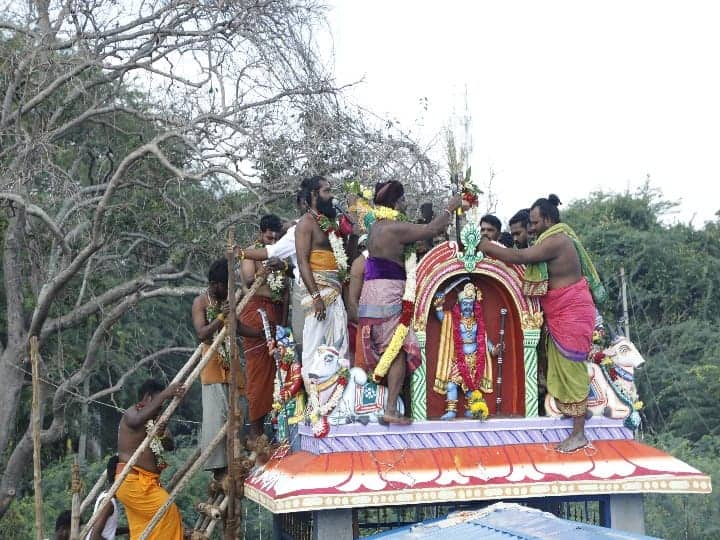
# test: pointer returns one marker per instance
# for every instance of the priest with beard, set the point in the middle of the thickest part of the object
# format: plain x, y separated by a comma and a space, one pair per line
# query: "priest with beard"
323, 265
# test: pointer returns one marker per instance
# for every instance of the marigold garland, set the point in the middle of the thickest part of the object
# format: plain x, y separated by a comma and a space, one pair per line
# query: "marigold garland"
477, 405
403, 327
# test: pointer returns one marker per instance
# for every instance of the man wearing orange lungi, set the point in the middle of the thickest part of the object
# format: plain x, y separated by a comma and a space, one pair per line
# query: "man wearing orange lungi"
272, 297
141, 493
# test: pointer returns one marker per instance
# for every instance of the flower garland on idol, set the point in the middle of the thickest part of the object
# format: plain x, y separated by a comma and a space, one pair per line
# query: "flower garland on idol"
476, 403
408, 301
330, 227
318, 413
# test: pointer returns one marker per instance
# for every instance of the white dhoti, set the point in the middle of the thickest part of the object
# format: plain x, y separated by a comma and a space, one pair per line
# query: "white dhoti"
331, 331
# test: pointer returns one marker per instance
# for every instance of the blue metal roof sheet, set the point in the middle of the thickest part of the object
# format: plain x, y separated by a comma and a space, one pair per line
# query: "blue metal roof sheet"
506, 521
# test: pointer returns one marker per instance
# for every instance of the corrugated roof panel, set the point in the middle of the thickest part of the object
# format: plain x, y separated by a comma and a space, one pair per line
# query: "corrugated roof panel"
506, 521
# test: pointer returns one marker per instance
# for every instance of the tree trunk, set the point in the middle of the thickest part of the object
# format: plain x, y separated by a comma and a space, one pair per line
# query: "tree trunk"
12, 381
16, 468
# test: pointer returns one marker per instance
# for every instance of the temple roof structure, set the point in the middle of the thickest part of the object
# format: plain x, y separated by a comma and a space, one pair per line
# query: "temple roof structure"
434, 462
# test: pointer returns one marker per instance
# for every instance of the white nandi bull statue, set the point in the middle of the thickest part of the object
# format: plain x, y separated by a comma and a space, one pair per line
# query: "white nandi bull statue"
612, 383
338, 394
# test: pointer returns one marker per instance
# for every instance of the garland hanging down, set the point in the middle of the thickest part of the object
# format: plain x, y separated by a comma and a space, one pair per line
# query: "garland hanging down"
330, 227
156, 446
472, 383
318, 413
408, 299
275, 280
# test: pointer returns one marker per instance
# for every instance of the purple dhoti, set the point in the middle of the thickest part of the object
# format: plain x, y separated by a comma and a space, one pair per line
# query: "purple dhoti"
379, 313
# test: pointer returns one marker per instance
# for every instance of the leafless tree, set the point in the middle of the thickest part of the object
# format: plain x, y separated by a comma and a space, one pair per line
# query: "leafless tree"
111, 114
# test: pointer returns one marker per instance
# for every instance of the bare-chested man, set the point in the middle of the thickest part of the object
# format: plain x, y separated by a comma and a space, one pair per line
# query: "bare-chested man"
209, 313
140, 492
272, 297
384, 284
320, 270
555, 273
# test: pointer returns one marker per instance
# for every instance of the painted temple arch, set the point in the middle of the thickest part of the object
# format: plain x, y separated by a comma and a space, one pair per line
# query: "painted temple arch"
501, 287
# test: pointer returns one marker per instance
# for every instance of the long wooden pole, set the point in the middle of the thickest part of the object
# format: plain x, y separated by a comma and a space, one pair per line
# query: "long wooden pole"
75, 487
165, 416
231, 324
93, 492
36, 427
626, 318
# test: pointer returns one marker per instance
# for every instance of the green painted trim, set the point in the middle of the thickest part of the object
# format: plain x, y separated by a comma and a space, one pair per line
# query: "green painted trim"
531, 337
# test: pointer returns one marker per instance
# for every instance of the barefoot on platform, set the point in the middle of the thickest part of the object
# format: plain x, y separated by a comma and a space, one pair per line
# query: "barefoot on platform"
388, 419
573, 443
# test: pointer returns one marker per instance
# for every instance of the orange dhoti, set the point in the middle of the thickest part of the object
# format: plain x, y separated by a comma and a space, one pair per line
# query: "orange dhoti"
142, 496
260, 367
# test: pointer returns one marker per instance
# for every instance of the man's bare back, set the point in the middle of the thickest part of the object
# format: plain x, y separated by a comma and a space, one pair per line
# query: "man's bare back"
387, 239
132, 429
558, 251
128, 441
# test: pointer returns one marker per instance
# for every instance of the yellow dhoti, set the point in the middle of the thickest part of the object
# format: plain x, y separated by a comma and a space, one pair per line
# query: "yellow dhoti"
142, 496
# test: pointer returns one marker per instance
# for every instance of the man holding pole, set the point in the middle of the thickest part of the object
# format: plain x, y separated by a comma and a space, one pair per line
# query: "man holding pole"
561, 273
209, 313
140, 492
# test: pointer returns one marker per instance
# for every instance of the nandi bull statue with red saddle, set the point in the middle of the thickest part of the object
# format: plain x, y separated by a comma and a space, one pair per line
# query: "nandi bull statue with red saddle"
338, 394
612, 380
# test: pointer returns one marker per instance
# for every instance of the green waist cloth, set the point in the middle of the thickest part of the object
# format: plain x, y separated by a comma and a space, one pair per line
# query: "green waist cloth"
567, 381
535, 282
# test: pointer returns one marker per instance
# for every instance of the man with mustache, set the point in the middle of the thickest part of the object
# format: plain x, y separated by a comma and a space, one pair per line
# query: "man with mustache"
323, 265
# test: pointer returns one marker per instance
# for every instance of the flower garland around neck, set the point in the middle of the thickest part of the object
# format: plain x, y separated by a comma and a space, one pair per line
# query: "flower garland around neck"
318, 413
275, 280
214, 309
156, 445
330, 227
472, 383
406, 315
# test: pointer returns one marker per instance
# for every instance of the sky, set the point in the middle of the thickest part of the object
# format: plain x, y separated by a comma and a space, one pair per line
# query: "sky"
565, 97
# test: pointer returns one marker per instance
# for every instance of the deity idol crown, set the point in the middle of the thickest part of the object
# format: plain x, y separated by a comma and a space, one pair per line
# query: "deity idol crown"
470, 293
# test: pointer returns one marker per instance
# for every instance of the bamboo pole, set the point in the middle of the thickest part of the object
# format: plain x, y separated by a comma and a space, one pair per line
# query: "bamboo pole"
626, 318
231, 325
181, 484
182, 470
36, 427
93, 492
75, 487
213, 523
164, 417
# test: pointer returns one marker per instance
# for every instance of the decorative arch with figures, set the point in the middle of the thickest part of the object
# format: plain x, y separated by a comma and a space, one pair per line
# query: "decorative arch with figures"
501, 288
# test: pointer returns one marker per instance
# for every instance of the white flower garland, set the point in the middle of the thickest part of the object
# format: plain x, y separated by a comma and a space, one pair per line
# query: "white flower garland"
156, 445
338, 249
276, 282
318, 413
